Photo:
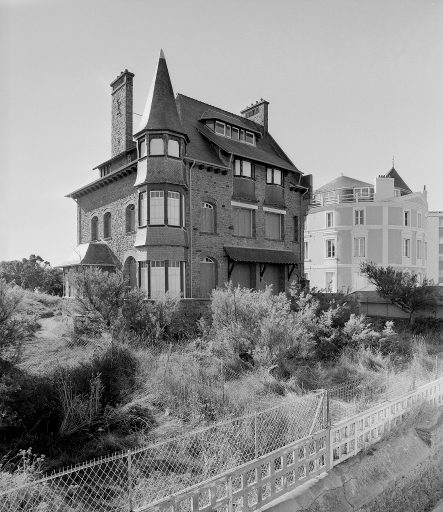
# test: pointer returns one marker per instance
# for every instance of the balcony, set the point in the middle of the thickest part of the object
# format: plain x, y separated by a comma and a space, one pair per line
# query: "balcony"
342, 196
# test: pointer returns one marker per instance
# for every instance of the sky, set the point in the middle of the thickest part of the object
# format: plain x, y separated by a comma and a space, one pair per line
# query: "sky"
351, 84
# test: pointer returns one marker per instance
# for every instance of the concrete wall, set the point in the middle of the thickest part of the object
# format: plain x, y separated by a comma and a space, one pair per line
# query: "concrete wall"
402, 474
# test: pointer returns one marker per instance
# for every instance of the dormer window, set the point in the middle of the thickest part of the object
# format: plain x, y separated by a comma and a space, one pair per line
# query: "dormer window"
219, 128
156, 146
231, 132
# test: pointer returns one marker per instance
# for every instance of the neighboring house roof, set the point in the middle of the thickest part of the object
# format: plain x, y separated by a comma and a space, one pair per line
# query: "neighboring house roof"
161, 111
200, 148
343, 182
91, 254
250, 254
398, 180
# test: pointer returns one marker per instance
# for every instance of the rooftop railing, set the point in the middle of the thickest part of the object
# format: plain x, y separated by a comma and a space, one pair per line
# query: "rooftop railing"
339, 197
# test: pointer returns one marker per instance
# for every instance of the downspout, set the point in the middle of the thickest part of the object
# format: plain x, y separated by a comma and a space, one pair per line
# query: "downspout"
301, 257
190, 228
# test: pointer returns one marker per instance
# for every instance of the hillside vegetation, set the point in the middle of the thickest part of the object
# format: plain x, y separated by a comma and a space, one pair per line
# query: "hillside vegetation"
123, 380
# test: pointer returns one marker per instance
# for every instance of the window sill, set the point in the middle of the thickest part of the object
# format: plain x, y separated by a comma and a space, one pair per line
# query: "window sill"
107, 238
142, 225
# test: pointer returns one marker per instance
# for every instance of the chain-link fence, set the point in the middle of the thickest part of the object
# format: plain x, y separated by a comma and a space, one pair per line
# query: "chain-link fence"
359, 395
143, 476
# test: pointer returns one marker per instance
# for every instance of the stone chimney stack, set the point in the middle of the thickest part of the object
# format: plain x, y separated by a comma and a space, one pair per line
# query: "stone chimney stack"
121, 132
258, 112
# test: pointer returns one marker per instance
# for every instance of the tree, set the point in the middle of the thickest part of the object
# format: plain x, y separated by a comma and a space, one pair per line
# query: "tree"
32, 273
401, 287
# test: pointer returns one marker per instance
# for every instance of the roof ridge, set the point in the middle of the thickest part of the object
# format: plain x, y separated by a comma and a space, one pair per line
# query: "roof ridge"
218, 108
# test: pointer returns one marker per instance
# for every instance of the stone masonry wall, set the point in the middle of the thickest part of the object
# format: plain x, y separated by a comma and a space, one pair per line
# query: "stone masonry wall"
114, 198
217, 189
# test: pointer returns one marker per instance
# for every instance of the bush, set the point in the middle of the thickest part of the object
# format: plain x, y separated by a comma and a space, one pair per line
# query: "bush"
426, 325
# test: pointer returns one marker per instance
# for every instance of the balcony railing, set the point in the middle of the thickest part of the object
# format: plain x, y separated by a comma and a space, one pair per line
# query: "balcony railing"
329, 199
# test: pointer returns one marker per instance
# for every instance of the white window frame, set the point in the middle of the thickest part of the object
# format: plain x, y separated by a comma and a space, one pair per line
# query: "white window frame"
251, 135
359, 212
419, 249
173, 208
271, 176
157, 207
359, 247
330, 248
172, 147
329, 215
143, 208
221, 125
158, 281
174, 278
238, 168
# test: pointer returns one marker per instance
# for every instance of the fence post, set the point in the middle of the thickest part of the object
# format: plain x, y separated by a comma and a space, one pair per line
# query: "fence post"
256, 434
387, 385
129, 480
328, 410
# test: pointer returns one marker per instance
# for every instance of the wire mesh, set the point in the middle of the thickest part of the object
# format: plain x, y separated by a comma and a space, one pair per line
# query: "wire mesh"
145, 475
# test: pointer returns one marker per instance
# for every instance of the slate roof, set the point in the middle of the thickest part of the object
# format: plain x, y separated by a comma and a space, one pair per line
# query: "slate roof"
161, 111
241, 123
398, 180
266, 150
343, 182
91, 253
261, 255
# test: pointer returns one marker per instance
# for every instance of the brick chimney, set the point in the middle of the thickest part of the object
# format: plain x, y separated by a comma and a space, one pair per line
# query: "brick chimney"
121, 132
258, 112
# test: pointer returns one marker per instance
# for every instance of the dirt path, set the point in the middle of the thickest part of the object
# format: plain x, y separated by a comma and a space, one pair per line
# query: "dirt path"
51, 347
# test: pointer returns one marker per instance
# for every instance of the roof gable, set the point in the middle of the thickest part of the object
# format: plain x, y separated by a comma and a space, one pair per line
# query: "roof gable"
203, 140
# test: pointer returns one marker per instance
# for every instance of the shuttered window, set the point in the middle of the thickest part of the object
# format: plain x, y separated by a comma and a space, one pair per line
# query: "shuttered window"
158, 285
157, 207
242, 222
144, 269
273, 226
207, 218
174, 208
174, 279
142, 209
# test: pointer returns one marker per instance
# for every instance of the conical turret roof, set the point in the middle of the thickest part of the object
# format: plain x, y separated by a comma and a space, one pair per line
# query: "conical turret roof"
398, 180
161, 111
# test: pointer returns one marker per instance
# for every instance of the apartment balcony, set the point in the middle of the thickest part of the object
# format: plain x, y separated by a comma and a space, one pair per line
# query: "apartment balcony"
342, 196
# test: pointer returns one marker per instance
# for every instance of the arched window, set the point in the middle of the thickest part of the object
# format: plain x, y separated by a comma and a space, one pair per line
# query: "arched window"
207, 277
130, 218
94, 228
130, 271
156, 147
207, 217
107, 225
173, 148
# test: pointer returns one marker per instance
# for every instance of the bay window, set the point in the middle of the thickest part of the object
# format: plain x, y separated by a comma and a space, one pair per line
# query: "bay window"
174, 208
157, 208
173, 148
158, 283
274, 176
156, 146
243, 168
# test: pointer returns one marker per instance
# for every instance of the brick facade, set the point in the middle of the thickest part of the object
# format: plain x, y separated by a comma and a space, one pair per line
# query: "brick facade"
194, 165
